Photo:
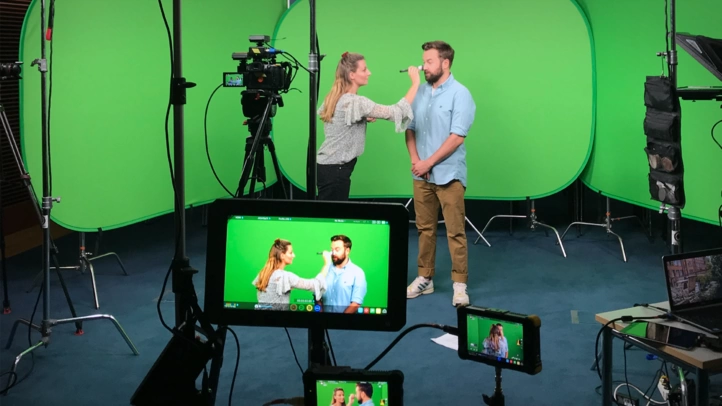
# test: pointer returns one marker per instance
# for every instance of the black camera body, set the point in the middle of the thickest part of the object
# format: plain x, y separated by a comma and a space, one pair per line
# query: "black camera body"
10, 70
258, 68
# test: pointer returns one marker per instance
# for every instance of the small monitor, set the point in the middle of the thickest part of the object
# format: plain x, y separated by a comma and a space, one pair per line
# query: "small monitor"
307, 264
232, 79
500, 338
325, 386
705, 50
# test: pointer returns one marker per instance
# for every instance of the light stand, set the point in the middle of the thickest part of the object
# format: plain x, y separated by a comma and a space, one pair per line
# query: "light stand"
85, 259
607, 225
674, 214
533, 224
313, 67
47, 323
497, 399
172, 378
25, 178
317, 347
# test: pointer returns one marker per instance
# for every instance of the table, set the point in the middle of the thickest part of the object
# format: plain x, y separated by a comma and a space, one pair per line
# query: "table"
702, 361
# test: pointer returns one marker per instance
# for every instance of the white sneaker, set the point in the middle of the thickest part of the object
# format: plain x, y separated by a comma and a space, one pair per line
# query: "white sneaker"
420, 286
461, 298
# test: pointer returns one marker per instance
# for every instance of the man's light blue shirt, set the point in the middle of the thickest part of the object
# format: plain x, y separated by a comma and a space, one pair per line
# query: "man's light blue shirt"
437, 114
343, 286
367, 403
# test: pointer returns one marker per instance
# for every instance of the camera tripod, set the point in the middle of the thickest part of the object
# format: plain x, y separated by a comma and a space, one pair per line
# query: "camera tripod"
497, 399
260, 129
46, 325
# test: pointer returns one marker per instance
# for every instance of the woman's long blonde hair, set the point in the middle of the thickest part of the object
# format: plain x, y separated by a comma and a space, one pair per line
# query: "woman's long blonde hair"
347, 64
274, 262
494, 337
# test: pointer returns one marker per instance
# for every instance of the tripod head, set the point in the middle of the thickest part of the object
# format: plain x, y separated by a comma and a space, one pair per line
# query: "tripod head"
254, 104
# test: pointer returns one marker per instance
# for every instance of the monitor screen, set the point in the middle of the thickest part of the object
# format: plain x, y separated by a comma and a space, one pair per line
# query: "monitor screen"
694, 279
298, 263
330, 392
232, 79
277, 263
495, 339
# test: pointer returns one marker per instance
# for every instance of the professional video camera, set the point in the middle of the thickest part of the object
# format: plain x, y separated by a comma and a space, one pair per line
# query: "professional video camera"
264, 79
258, 68
10, 70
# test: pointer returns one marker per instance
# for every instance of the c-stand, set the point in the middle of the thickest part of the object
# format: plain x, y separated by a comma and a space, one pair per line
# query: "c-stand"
172, 379
47, 323
497, 399
25, 178
260, 129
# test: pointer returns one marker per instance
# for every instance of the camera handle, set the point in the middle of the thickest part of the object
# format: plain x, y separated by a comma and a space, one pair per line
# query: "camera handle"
497, 399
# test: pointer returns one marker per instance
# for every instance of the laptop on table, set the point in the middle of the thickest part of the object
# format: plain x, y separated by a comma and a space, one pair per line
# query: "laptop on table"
694, 288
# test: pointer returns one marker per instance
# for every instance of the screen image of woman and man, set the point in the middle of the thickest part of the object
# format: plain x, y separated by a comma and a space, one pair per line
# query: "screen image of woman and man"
307, 264
497, 339
344, 393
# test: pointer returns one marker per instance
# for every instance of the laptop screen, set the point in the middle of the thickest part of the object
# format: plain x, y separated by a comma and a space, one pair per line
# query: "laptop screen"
694, 279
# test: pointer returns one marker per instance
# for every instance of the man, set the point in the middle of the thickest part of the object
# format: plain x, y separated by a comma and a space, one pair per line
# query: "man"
345, 281
443, 113
364, 391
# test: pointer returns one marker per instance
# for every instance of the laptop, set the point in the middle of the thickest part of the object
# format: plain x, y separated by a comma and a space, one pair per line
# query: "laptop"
694, 288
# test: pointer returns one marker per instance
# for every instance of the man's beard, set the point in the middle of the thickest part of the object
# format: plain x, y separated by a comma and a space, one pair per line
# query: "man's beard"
433, 78
337, 260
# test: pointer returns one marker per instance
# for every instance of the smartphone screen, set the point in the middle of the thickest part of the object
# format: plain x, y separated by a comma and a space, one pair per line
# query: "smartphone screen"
663, 334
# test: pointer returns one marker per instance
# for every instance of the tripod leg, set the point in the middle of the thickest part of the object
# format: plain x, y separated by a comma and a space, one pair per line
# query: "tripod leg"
259, 171
248, 161
276, 166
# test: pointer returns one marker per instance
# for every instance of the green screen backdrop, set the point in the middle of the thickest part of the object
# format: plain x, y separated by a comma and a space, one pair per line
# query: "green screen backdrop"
110, 83
528, 65
249, 242
628, 34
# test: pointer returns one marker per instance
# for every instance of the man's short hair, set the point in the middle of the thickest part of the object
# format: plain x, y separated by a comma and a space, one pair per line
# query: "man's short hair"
366, 388
445, 50
341, 237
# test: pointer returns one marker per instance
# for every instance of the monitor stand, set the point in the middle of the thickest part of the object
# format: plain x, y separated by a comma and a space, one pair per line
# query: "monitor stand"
317, 349
497, 399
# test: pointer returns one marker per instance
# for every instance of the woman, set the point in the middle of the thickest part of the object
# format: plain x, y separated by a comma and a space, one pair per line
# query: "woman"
503, 344
273, 284
338, 397
492, 343
345, 115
